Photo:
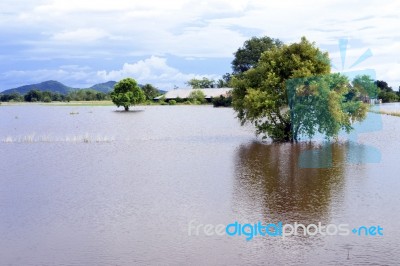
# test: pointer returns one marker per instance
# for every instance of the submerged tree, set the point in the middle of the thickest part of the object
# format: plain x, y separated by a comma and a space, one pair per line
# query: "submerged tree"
318, 104
150, 91
127, 93
246, 57
290, 92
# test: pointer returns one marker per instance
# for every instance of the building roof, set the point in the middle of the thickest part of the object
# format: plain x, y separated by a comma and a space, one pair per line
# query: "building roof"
184, 93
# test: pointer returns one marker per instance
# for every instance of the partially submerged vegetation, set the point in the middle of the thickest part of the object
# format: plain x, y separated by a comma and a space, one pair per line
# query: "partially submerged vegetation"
33, 138
48, 96
285, 91
74, 96
290, 93
126, 93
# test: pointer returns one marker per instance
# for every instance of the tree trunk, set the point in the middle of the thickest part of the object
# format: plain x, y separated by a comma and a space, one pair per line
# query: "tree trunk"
126, 108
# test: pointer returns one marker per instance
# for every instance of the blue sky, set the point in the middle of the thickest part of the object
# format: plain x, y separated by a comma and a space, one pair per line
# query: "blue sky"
166, 43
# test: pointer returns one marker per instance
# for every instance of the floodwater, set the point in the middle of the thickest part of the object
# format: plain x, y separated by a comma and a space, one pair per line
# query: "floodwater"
92, 186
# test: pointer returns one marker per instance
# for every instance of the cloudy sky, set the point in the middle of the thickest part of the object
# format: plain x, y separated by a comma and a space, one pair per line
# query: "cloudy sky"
166, 43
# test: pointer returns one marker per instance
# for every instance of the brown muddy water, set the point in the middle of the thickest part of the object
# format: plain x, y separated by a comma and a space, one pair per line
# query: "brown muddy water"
92, 186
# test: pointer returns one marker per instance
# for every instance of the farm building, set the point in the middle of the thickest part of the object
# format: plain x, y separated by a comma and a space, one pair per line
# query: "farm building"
184, 93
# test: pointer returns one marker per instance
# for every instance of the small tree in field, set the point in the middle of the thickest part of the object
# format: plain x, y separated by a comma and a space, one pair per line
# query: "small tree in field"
197, 97
127, 93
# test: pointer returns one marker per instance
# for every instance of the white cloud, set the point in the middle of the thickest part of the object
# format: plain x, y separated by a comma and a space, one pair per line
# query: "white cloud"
79, 78
195, 29
63, 6
80, 35
154, 70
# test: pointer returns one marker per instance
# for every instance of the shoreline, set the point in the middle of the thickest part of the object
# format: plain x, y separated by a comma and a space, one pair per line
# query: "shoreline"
391, 113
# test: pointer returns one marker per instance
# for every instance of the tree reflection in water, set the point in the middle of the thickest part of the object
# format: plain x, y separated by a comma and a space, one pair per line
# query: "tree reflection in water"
271, 179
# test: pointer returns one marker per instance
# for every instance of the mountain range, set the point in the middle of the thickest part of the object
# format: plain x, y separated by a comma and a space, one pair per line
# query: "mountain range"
55, 86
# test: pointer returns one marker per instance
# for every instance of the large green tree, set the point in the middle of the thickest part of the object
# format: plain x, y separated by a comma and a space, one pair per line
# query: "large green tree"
150, 91
290, 92
126, 93
247, 56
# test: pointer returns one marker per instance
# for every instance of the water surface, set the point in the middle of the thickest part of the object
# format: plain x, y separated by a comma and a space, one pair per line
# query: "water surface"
92, 186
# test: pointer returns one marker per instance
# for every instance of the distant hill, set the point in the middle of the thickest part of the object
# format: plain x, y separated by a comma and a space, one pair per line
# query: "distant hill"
51, 85
104, 87
55, 86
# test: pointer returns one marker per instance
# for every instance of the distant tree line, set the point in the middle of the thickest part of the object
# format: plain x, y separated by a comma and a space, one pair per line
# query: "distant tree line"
205, 82
386, 92
13, 97
34, 95
222, 101
48, 96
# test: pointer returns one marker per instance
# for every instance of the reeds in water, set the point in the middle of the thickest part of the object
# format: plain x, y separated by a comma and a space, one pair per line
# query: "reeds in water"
32, 138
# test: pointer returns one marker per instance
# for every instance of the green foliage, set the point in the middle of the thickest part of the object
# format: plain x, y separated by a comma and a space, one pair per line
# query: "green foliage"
150, 91
201, 83
363, 89
48, 96
366, 86
383, 86
13, 97
386, 92
221, 83
222, 101
290, 92
47, 99
162, 100
57, 97
127, 93
179, 100
172, 102
87, 95
225, 81
388, 97
197, 97
318, 104
247, 56
33, 96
